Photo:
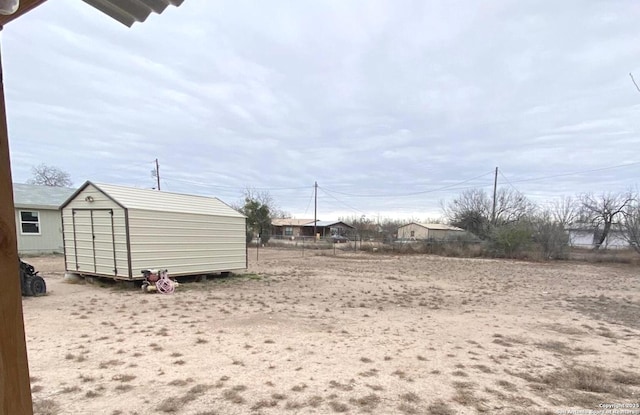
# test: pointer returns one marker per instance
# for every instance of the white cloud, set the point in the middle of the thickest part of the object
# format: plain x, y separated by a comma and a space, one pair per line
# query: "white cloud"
378, 97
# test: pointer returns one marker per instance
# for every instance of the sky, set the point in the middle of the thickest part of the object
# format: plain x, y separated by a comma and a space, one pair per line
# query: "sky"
392, 107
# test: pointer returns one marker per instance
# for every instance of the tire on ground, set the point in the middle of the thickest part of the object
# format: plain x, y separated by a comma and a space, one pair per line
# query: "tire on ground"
37, 285
27, 288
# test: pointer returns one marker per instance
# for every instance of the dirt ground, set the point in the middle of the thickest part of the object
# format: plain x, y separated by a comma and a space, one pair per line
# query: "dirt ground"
352, 333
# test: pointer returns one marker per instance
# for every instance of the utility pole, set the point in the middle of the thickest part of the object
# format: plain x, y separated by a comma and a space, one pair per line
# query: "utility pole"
495, 190
158, 173
315, 209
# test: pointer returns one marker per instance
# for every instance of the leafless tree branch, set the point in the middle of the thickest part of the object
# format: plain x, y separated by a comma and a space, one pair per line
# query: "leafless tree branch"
634, 81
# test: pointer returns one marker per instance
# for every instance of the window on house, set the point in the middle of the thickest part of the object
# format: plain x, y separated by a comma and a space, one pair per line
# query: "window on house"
288, 231
413, 234
30, 222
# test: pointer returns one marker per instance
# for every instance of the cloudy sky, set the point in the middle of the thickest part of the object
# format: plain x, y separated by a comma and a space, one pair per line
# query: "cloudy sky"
391, 106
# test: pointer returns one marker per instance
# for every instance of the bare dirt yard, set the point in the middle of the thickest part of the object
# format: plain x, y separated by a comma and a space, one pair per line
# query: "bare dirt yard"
354, 333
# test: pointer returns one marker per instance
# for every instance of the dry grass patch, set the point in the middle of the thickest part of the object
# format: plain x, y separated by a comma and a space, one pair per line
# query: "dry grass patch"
264, 403
440, 408
366, 403
626, 378
46, 407
410, 397
506, 385
70, 389
169, 405
338, 406
556, 347
315, 401
409, 409
233, 396
589, 379
123, 378
483, 368
341, 386
299, 388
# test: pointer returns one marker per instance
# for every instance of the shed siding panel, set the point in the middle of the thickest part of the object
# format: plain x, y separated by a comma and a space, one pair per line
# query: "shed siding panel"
186, 243
50, 238
95, 255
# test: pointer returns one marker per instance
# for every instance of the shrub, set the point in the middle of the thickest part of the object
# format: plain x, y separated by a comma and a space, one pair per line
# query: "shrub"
512, 240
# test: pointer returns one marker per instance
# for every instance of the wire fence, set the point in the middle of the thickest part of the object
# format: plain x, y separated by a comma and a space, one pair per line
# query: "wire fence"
300, 246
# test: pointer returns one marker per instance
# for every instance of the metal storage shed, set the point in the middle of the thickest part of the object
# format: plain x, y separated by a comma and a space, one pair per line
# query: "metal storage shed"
116, 232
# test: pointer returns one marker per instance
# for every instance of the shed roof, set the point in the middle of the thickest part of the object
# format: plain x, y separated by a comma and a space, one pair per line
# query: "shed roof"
40, 197
435, 226
147, 199
290, 222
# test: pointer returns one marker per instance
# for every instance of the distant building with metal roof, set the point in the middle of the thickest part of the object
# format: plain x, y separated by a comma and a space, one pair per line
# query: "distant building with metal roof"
327, 228
288, 228
38, 218
422, 231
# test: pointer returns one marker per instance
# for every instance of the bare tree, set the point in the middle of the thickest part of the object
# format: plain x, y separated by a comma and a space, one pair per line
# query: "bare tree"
472, 210
634, 81
630, 225
603, 210
565, 211
512, 206
49, 176
265, 198
549, 232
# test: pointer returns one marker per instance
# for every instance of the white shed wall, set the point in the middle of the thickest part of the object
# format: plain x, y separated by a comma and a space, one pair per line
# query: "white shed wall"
186, 243
91, 249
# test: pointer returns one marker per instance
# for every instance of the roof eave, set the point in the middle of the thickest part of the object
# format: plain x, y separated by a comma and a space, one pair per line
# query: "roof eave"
25, 7
128, 12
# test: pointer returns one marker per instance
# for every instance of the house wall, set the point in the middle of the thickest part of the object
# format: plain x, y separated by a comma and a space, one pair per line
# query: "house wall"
91, 248
420, 232
186, 243
582, 238
50, 238
280, 231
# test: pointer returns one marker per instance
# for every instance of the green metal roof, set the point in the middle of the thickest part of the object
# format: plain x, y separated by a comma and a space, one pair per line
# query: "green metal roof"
41, 197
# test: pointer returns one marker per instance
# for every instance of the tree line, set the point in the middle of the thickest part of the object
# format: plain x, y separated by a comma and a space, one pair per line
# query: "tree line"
516, 221
509, 221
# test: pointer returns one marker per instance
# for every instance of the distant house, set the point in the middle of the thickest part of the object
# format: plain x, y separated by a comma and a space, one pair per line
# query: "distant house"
288, 228
326, 228
423, 231
38, 218
585, 236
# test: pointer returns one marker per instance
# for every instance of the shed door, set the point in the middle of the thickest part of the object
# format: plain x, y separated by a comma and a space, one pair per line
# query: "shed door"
94, 241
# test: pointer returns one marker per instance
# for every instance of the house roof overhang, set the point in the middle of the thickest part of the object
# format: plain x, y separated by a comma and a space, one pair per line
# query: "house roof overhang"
126, 12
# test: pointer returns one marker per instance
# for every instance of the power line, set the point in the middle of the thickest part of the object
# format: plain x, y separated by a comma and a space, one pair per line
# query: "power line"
508, 182
340, 201
578, 172
236, 187
310, 199
447, 187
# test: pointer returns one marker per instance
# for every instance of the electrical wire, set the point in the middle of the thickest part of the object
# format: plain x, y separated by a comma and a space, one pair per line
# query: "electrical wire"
447, 187
578, 172
310, 199
340, 201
